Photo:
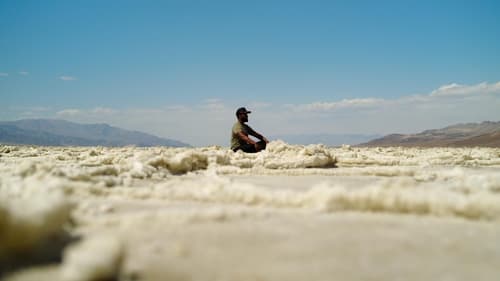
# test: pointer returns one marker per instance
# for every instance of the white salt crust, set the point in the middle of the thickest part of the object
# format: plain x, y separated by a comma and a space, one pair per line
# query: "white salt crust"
40, 187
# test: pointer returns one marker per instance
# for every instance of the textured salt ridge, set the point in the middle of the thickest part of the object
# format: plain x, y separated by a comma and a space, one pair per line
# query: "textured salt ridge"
27, 222
392, 196
90, 219
95, 258
124, 166
36, 181
77, 170
118, 165
476, 198
390, 156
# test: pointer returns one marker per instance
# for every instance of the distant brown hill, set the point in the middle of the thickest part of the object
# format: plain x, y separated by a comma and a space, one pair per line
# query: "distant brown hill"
485, 134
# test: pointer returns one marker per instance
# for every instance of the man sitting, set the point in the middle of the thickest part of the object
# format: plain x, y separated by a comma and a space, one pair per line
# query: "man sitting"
241, 132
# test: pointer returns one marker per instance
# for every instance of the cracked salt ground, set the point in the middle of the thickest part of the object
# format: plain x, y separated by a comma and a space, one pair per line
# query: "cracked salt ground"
290, 212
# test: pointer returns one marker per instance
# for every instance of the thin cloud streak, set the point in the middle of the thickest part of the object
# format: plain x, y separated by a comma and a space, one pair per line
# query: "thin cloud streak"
465, 90
453, 90
67, 78
345, 103
103, 110
68, 112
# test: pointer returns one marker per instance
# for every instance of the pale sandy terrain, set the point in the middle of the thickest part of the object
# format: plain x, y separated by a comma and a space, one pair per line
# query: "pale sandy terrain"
288, 213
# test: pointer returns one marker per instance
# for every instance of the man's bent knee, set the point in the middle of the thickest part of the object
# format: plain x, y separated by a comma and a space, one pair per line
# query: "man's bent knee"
261, 145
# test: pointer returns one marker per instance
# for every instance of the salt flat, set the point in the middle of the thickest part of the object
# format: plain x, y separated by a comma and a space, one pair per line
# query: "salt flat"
288, 213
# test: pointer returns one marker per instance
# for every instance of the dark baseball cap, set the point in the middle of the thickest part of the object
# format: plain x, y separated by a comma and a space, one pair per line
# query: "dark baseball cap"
242, 110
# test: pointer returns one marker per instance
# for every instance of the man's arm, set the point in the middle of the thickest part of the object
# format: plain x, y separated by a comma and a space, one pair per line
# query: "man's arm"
245, 138
257, 135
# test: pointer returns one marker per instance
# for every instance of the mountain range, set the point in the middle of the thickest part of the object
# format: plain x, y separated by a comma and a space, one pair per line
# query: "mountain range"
486, 134
54, 132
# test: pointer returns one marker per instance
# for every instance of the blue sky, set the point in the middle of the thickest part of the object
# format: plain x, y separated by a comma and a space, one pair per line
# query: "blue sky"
179, 69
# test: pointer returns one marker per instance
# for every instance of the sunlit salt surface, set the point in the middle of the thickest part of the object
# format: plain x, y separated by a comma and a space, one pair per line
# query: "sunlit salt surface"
288, 213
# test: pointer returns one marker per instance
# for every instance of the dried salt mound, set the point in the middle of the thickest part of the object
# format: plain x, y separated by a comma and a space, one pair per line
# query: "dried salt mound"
114, 166
182, 163
390, 156
280, 155
283, 156
393, 197
390, 196
95, 258
6, 149
26, 222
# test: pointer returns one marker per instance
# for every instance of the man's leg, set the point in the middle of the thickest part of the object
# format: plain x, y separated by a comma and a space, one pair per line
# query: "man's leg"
261, 145
249, 148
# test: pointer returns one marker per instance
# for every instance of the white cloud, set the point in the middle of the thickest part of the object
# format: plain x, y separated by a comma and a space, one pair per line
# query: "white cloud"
465, 90
103, 110
257, 104
345, 103
454, 90
213, 105
449, 104
67, 78
23, 73
178, 107
68, 112
3, 74
412, 99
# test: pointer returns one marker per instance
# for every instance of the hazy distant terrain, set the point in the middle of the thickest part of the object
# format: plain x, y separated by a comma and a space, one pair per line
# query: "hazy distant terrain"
62, 133
326, 139
486, 134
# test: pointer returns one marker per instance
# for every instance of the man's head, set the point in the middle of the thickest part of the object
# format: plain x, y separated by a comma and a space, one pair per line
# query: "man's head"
242, 114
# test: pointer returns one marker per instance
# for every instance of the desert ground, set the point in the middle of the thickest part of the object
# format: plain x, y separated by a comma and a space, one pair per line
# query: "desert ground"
288, 213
